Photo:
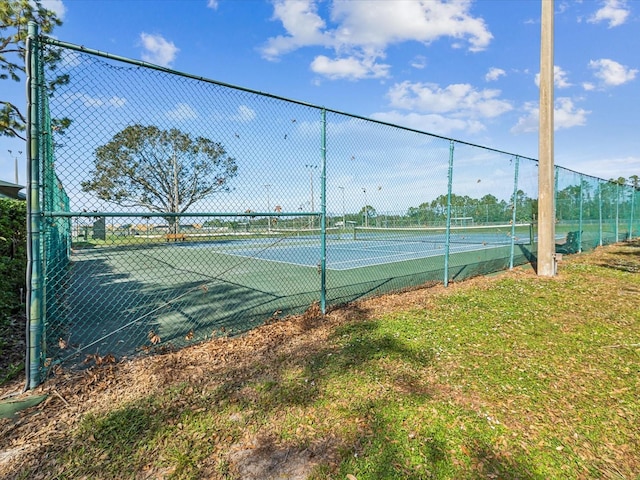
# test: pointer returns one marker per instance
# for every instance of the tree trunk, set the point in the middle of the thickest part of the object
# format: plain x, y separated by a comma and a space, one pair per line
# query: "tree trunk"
174, 225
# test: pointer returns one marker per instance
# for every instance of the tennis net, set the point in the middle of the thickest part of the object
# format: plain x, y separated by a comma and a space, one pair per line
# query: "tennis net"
472, 234
333, 232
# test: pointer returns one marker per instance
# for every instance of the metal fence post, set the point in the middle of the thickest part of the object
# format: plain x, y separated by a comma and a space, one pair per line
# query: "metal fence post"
447, 242
600, 212
323, 217
581, 203
617, 212
633, 197
513, 212
35, 344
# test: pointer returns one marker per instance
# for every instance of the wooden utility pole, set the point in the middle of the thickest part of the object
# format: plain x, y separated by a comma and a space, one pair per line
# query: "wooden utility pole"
546, 184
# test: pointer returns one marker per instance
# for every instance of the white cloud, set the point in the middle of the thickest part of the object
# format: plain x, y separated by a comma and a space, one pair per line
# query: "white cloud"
245, 114
494, 74
562, 7
117, 102
430, 123
529, 122
559, 78
183, 111
456, 99
212, 4
350, 68
375, 23
430, 108
566, 115
364, 29
604, 167
613, 11
419, 62
612, 73
303, 25
55, 6
94, 102
588, 86
158, 50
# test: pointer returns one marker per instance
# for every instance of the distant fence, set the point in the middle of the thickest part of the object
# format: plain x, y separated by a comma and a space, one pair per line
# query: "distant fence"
166, 208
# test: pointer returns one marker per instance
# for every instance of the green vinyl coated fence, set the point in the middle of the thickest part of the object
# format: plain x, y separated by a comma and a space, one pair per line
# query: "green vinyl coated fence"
165, 208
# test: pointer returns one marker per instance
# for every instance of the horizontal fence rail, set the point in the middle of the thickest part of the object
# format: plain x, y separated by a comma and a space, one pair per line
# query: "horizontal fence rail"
166, 208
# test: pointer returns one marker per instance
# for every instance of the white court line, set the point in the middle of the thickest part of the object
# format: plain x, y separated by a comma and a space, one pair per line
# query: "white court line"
383, 246
331, 265
460, 249
384, 259
253, 257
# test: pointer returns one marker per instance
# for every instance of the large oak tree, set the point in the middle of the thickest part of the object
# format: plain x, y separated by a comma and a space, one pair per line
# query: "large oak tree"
164, 171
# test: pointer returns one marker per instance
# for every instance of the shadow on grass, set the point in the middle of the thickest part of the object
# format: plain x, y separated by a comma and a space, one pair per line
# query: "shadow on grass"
624, 259
386, 453
248, 396
486, 463
390, 451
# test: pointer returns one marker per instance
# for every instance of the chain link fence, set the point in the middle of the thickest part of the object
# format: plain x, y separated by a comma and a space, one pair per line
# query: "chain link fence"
167, 208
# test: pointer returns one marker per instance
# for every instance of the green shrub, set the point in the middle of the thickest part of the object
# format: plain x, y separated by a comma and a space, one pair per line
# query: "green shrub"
13, 254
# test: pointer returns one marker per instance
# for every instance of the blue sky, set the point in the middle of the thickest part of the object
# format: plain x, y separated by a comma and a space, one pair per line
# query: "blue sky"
461, 69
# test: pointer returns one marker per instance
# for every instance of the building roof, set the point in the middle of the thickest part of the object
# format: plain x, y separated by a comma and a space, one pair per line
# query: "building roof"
11, 190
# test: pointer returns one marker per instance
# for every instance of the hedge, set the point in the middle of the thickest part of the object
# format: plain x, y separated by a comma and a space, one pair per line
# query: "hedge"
13, 255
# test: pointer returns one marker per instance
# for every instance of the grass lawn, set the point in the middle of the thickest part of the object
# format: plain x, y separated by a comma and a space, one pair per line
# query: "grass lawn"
506, 377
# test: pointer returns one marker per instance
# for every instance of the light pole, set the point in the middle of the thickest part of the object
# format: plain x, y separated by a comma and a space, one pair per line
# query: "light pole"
344, 222
379, 212
366, 208
15, 162
267, 186
311, 169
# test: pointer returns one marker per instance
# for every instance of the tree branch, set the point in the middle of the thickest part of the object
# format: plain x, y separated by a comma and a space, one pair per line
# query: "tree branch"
15, 109
14, 133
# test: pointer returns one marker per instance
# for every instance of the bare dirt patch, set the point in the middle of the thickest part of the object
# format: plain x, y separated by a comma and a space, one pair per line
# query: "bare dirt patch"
264, 459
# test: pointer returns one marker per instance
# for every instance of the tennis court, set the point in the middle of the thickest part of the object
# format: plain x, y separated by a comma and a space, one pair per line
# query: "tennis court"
365, 246
225, 286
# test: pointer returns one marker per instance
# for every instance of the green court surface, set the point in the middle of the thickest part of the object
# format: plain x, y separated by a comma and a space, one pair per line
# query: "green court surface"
127, 299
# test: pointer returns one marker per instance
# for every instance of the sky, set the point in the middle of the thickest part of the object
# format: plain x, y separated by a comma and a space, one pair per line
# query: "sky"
462, 69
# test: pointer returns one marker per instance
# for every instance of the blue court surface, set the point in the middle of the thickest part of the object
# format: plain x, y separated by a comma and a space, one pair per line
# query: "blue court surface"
344, 252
